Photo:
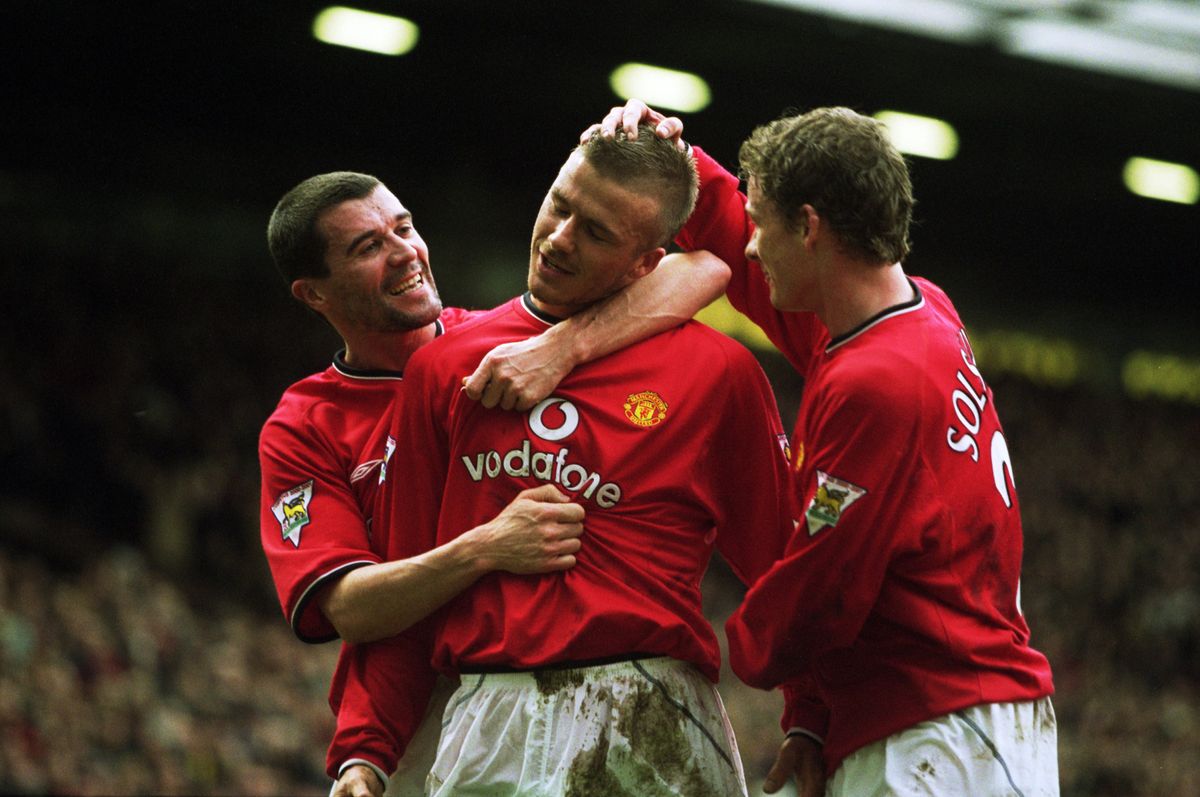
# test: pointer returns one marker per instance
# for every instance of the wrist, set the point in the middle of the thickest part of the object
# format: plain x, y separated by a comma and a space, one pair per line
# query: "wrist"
804, 734
470, 552
362, 762
568, 339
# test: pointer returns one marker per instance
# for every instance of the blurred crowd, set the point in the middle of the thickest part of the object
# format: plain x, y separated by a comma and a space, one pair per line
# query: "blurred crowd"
115, 682
142, 650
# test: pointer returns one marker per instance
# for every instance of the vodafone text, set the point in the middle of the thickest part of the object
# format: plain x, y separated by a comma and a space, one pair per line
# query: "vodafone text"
522, 461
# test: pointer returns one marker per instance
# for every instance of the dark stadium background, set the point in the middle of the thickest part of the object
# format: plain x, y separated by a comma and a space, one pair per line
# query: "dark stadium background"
148, 337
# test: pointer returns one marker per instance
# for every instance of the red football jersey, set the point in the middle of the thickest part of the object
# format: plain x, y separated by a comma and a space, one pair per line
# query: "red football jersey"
899, 593
320, 454
673, 446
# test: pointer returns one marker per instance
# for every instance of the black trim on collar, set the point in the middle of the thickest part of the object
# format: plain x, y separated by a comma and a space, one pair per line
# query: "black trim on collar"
527, 299
895, 308
339, 362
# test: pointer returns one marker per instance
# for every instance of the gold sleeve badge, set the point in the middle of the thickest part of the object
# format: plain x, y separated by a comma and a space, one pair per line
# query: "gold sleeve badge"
646, 408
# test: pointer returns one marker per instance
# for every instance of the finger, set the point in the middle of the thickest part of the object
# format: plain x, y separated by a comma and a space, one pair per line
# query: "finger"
526, 403
781, 770
564, 513
492, 394
474, 384
670, 127
567, 546
568, 513
608, 126
564, 537
564, 562
635, 112
508, 399
547, 493
809, 787
587, 134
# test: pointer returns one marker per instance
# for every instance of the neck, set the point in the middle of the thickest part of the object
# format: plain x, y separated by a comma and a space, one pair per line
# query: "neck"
559, 311
386, 351
862, 290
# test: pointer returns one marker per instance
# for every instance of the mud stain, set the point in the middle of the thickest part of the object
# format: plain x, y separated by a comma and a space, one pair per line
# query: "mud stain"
589, 775
654, 728
550, 682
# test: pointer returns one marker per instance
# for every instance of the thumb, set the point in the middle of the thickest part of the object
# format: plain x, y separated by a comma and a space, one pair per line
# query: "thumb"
781, 770
474, 384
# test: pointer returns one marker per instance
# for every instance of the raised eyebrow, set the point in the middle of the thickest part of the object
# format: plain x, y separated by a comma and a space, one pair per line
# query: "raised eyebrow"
362, 236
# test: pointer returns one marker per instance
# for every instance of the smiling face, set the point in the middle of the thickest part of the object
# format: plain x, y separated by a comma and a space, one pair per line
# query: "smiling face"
593, 236
780, 250
379, 277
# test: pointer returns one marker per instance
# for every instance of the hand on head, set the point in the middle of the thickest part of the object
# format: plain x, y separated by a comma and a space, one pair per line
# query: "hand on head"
627, 117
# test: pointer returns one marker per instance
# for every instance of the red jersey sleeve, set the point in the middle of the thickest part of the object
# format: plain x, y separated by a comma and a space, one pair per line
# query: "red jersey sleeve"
379, 696
306, 497
750, 472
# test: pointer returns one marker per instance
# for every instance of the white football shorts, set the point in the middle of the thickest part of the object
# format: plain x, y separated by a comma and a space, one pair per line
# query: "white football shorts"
652, 727
989, 750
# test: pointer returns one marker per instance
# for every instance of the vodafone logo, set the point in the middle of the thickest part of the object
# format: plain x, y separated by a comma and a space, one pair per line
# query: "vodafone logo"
567, 419
551, 420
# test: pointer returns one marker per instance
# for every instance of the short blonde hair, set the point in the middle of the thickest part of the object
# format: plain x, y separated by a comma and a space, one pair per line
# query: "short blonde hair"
651, 165
845, 166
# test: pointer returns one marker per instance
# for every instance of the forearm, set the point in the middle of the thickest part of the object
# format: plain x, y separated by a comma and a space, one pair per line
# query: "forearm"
381, 600
681, 286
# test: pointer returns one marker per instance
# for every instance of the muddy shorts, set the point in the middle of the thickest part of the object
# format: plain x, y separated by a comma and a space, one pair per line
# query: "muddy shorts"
990, 750
641, 728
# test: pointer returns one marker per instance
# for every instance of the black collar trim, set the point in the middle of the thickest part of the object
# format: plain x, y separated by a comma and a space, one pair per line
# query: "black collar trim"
339, 363
915, 303
527, 301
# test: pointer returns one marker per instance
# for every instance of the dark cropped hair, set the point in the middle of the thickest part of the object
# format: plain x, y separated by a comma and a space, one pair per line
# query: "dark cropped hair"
296, 245
649, 165
845, 166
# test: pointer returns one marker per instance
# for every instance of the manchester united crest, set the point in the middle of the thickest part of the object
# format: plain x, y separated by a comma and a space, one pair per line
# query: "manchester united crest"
646, 408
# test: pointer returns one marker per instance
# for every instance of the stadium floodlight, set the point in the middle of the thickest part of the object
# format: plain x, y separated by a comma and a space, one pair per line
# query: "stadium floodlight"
949, 20
1155, 179
660, 87
365, 30
923, 136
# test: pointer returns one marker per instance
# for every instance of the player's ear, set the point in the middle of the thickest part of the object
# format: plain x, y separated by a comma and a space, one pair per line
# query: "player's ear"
808, 225
648, 262
308, 292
